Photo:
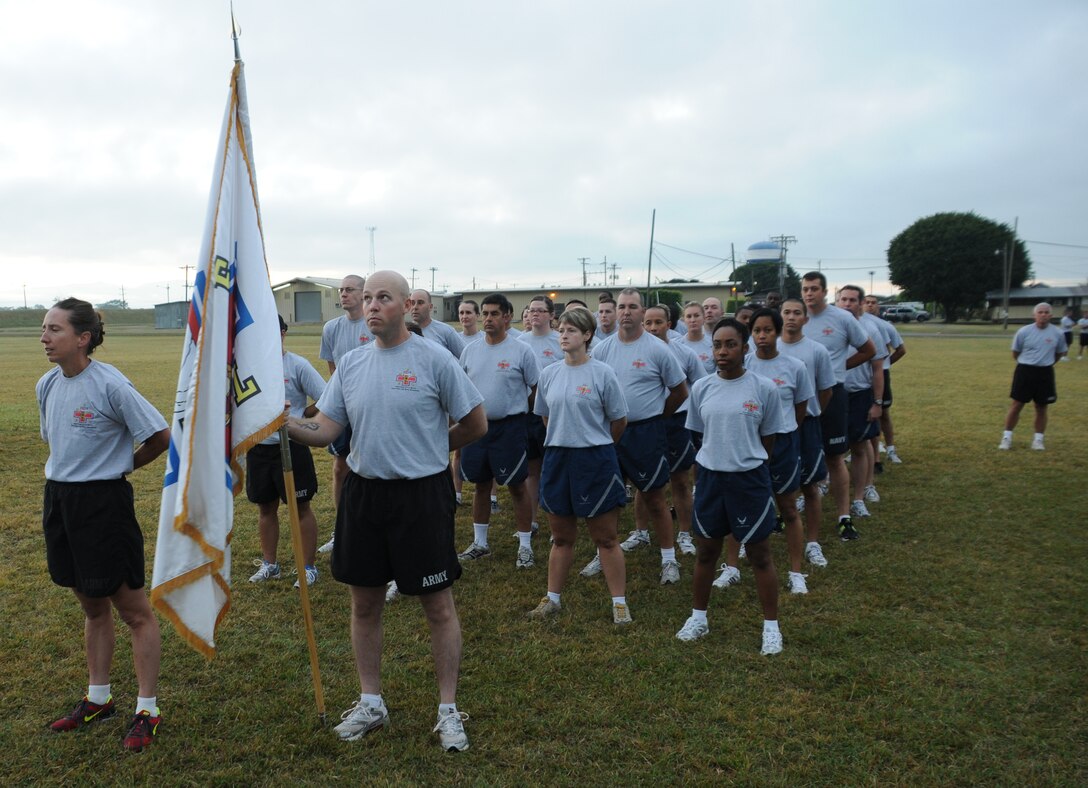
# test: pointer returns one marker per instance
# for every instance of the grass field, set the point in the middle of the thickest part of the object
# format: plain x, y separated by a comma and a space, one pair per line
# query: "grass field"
947, 646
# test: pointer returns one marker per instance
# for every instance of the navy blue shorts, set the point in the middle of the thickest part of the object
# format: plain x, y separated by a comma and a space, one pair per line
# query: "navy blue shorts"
93, 542
861, 429
643, 454
738, 503
396, 529
341, 447
501, 454
581, 482
813, 467
537, 432
786, 463
680, 443
833, 422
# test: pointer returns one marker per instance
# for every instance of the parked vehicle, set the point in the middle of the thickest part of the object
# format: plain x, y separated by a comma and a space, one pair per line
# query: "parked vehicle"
905, 314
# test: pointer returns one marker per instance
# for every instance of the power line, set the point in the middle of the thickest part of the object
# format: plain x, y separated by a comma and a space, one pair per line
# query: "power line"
1052, 243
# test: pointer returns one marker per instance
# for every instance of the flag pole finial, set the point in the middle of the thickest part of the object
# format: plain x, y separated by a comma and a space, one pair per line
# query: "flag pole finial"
235, 32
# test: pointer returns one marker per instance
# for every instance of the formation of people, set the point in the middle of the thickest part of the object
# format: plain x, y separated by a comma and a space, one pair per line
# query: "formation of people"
737, 421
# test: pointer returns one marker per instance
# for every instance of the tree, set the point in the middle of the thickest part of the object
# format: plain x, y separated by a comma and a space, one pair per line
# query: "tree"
762, 277
953, 259
114, 303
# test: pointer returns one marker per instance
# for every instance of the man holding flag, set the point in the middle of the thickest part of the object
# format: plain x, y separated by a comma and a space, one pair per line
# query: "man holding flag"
396, 515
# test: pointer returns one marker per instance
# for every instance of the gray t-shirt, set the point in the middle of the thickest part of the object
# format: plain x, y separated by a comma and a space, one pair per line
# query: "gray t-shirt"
818, 363
860, 377
839, 332
581, 402
1038, 347
503, 373
891, 334
92, 422
342, 335
646, 369
444, 335
468, 339
398, 402
704, 349
546, 349
301, 383
689, 362
790, 378
599, 335
732, 415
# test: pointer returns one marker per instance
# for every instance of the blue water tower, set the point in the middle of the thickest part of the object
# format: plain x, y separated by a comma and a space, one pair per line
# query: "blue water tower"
764, 252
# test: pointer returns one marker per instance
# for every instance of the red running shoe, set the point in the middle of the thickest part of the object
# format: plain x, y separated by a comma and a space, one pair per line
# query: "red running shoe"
141, 731
84, 713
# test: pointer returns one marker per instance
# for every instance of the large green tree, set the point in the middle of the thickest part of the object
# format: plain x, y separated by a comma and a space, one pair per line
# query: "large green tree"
953, 259
761, 277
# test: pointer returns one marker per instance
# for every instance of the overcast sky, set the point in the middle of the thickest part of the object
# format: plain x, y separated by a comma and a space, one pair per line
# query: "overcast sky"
503, 141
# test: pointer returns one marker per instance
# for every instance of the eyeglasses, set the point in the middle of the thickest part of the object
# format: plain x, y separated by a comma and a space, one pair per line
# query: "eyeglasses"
348, 289
538, 311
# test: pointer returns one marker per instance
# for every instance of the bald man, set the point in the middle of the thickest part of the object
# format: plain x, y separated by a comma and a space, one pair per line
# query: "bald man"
435, 330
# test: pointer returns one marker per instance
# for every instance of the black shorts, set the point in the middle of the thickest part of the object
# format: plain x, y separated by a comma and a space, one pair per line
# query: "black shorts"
396, 529
1069, 338
1083, 339
1034, 384
264, 473
860, 428
833, 422
93, 542
887, 389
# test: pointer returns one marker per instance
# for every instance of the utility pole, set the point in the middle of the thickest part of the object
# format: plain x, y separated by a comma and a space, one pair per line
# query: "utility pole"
24, 295
614, 266
414, 278
186, 268
433, 269
124, 303
167, 292
582, 260
1010, 251
371, 231
784, 242
870, 282
650, 261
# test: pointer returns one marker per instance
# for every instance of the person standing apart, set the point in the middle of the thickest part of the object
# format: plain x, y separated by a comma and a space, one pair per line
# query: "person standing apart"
91, 416
396, 519
1036, 348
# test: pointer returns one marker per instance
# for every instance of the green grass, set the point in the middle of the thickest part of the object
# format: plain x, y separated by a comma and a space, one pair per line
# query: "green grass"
947, 646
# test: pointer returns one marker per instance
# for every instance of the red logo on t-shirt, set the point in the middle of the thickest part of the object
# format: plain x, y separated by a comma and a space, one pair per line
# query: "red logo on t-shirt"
779, 381
547, 353
751, 406
363, 339
638, 363
583, 389
504, 365
828, 331
406, 378
83, 416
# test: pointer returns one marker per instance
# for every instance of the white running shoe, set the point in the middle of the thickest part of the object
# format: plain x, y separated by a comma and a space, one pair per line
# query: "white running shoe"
451, 731
360, 720
592, 568
797, 583
621, 614
495, 508
474, 552
267, 571
822, 487
871, 495
800, 503
670, 572
685, 543
1006, 443
635, 540
893, 456
693, 630
546, 608
1037, 444
392, 593
772, 643
327, 547
815, 555
730, 576
881, 448
859, 509
311, 576
525, 558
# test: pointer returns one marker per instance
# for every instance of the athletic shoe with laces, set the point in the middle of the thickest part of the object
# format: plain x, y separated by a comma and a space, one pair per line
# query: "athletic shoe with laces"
635, 540
847, 532
392, 593
670, 572
730, 576
327, 547
743, 552
266, 571
1006, 443
797, 583
693, 630
141, 731
84, 713
859, 509
451, 731
360, 720
525, 558
592, 568
685, 543
474, 552
815, 555
772, 643
495, 508
800, 503
822, 487
621, 614
1037, 444
893, 456
311, 576
871, 495
546, 608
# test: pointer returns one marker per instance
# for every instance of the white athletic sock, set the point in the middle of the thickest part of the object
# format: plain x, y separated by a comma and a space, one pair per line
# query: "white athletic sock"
619, 600
150, 705
553, 597
1039, 436
810, 544
479, 531
891, 447
494, 499
770, 626
698, 615
525, 539
446, 708
1007, 434
373, 701
459, 498
98, 693
668, 554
